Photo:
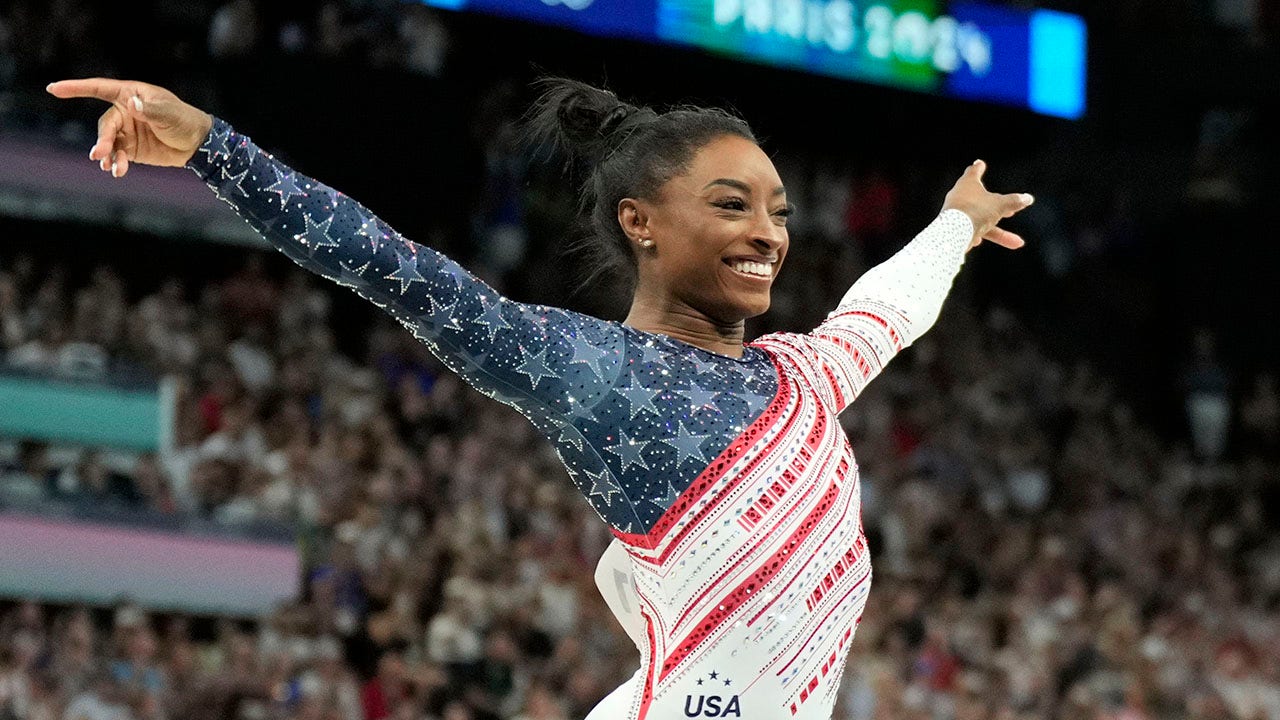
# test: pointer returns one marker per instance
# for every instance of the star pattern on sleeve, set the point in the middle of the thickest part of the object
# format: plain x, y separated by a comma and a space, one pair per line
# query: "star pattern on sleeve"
534, 365
700, 397
407, 273
667, 498
368, 227
569, 436
349, 276
651, 354
628, 451
286, 185
333, 196
588, 354
603, 486
446, 316
579, 411
491, 319
215, 147
659, 424
316, 235
639, 398
702, 365
687, 445
233, 185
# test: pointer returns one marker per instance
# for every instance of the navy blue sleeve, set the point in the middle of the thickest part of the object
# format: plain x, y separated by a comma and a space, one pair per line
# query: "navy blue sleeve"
545, 362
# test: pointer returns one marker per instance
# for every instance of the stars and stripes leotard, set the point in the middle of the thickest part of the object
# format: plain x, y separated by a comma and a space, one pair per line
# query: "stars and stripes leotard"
727, 482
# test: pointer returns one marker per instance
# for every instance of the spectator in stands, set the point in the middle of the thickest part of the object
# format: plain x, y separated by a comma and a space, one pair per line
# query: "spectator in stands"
384, 694
541, 704
135, 668
92, 484
330, 683
1207, 389
153, 485
252, 359
29, 478
74, 652
453, 636
40, 354
22, 636
14, 690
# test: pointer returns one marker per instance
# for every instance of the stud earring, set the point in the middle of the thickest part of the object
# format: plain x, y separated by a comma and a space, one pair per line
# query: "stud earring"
646, 243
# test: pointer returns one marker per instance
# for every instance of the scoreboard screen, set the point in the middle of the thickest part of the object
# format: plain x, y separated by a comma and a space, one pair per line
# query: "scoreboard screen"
1033, 59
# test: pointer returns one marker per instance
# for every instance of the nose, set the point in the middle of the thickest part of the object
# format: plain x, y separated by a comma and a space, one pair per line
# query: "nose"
767, 235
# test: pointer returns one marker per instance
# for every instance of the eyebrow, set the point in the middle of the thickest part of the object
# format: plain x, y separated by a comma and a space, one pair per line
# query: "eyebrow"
739, 185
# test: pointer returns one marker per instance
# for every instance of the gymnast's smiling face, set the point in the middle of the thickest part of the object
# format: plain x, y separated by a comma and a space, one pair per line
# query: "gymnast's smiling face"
716, 236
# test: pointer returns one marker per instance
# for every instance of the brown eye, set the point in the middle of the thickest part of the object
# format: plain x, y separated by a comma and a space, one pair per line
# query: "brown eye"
731, 204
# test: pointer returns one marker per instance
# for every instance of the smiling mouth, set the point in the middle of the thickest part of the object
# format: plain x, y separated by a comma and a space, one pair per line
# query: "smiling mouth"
754, 270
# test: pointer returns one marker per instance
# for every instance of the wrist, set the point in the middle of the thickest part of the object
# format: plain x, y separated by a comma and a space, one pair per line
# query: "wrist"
201, 134
959, 213
968, 212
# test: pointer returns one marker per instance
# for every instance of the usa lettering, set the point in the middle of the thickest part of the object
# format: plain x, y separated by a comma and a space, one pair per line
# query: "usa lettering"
711, 706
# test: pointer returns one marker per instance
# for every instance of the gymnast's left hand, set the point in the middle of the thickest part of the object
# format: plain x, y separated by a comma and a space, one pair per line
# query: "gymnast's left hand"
145, 123
986, 209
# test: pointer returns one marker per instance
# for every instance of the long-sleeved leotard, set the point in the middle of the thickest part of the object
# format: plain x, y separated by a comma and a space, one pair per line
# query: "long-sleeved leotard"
727, 480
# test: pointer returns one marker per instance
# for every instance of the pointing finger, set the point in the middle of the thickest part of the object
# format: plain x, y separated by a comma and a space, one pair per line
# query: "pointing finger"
977, 169
104, 89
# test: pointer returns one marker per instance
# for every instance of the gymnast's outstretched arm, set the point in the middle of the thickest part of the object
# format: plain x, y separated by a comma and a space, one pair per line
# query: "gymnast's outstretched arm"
897, 301
520, 354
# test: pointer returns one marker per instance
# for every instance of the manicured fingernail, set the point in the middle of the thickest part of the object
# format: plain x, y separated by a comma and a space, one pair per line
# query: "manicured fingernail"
137, 103
113, 170
49, 87
95, 147
1027, 199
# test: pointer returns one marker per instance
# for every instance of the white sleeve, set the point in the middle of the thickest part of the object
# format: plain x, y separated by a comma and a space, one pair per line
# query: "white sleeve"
890, 306
917, 279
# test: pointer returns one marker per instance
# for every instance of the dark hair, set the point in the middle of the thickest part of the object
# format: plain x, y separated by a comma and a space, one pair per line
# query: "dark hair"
629, 151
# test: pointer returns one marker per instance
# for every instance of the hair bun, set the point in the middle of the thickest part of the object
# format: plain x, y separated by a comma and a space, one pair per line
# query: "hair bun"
615, 118
579, 118
587, 114
581, 115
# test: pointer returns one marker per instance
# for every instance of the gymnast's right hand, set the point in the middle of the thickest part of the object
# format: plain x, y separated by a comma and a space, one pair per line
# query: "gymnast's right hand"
145, 123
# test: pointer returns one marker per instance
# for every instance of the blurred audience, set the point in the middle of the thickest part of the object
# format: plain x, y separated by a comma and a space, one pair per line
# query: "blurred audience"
1040, 552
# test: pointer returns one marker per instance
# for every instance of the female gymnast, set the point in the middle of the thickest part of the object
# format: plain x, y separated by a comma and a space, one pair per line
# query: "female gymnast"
739, 567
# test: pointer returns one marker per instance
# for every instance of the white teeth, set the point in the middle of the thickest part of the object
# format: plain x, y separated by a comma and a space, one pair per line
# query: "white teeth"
754, 268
